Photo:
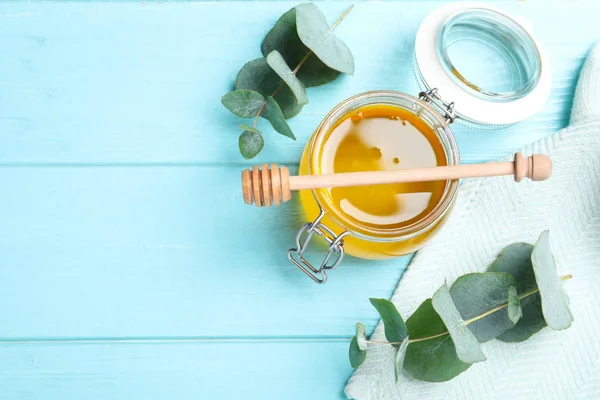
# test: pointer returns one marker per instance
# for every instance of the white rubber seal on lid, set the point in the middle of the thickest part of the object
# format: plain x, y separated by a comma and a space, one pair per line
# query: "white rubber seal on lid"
469, 106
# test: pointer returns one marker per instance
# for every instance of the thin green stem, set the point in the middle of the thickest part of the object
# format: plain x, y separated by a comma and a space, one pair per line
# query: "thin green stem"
301, 63
336, 23
258, 113
493, 310
427, 337
469, 321
380, 342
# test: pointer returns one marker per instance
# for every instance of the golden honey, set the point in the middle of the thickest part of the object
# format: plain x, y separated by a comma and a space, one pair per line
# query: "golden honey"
384, 220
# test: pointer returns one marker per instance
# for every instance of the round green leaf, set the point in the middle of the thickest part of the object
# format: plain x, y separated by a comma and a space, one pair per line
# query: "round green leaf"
515, 260
468, 349
356, 355
399, 358
477, 293
361, 336
395, 329
276, 118
258, 76
251, 143
277, 64
432, 360
514, 305
243, 103
283, 37
287, 103
530, 323
555, 301
316, 35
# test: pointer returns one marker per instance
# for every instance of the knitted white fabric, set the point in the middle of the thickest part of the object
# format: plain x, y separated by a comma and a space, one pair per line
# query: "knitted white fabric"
490, 214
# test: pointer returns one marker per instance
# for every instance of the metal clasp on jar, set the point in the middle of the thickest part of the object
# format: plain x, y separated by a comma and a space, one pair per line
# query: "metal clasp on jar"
335, 252
446, 109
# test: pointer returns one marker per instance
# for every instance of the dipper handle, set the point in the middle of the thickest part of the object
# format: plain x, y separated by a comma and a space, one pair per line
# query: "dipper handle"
263, 186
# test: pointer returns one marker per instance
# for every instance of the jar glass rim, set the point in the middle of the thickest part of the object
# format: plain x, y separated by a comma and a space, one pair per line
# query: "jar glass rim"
518, 43
392, 98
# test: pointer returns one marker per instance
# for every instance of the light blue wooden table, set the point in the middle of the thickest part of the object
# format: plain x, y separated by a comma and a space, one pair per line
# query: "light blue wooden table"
121, 277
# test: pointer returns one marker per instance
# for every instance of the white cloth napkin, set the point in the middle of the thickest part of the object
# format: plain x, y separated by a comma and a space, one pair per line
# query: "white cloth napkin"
490, 214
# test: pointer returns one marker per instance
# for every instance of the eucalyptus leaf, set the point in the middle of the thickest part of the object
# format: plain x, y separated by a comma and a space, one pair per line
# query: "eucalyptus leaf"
283, 37
531, 322
555, 301
258, 76
287, 103
315, 33
395, 329
477, 293
361, 336
249, 128
399, 358
515, 259
243, 103
514, 305
275, 116
356, 355
467, 346
278, 64
251, 143
433, 359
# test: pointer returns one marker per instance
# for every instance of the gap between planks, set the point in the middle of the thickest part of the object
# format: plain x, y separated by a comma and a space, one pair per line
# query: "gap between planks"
149, 164
169, 340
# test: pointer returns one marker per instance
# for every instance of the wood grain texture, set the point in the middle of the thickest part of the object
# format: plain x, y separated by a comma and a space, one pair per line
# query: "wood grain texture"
111, 128
124, 248
302, 370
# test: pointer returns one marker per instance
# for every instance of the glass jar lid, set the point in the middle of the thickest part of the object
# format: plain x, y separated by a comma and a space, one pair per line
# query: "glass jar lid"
484, 61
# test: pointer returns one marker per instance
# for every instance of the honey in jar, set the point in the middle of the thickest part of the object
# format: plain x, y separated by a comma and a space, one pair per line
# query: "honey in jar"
384, 132
473, 57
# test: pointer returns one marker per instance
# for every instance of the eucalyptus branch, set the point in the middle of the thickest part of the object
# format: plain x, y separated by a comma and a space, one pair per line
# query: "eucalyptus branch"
519, 265
299, 30
300, 64
470, 321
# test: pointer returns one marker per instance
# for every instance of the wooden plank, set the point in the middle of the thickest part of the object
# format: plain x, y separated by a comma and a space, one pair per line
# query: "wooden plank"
300, 370
136, 82
157, 251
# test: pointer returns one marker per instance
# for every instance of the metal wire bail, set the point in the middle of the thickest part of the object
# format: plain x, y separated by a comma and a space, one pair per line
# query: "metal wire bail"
447, 109
335, 252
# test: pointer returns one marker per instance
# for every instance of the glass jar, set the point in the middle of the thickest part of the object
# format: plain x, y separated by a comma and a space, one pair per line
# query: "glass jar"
509, 82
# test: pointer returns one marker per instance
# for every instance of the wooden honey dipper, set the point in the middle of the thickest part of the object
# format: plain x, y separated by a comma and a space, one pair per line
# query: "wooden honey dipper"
265, 186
